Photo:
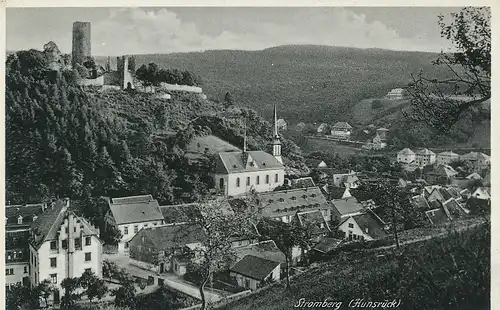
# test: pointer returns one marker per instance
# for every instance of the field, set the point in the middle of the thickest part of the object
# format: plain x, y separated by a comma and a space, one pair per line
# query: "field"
315, 145
442, 273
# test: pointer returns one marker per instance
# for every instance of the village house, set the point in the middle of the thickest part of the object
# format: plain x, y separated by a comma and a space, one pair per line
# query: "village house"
382, 133
478, 160
166, 248
315, 163
444, 158
343, 208
345, 179
253, 272
437, 216
238, 173
482, 193
327, 245
396, 94
62, 245
442, 174
341, 130
406, 156
425, 157
336, 192
264, 249
17, 233
131, 214
365, 226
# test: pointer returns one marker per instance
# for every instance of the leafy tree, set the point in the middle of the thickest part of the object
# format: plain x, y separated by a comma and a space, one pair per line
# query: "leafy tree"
125, 295
16, 297
70, 286
94, 287
44, 290
287, 236
219, 222
433, 99
89, 63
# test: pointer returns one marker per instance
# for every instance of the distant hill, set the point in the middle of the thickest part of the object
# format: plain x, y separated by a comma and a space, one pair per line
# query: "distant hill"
308, 82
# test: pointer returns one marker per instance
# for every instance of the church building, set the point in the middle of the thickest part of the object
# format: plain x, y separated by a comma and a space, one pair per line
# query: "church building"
238, 173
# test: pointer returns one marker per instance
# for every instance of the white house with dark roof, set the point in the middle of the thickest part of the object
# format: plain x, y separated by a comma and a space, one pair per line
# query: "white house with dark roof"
425, 157
341, 130
131, 214
406, 156
63, 245
444, 158
365, 226
238, 173
252, 271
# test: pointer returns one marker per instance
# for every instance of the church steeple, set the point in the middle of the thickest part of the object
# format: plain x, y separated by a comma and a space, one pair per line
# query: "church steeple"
276, 138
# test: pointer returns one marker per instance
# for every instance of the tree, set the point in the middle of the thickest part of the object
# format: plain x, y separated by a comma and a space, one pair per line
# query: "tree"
17, 296
434, 100
70, 286
125, 295
44, 290
228, 100
286, 236
94, 287
219, 222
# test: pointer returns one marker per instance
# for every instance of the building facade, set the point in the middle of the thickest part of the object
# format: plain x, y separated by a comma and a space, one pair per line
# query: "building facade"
341, 130
444, 158
131, 214
406, 156
62, 245
425, 157
396, 94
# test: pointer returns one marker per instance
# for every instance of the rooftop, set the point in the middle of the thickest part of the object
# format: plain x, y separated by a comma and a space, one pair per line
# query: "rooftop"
265, 249
406, 151
436, 216
348, 206
342, 125
232, 162
135, 209
370, 225
168, 237
327, 244
254, 267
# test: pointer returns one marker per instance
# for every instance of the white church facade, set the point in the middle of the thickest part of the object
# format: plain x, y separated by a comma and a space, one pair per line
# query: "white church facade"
238, 173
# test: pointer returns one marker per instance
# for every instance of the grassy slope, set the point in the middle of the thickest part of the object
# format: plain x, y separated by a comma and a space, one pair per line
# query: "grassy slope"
309, 83
364, 275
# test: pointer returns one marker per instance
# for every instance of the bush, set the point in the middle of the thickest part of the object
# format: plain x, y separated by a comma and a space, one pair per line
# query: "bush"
376, 104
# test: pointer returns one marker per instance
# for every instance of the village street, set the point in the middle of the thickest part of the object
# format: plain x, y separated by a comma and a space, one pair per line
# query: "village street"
169, 279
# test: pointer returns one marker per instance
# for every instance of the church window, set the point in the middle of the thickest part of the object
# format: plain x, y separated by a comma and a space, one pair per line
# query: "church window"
248, 181
237, 182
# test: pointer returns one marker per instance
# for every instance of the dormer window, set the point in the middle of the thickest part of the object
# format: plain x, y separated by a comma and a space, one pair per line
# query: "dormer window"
19, 220
251, 164
34, 217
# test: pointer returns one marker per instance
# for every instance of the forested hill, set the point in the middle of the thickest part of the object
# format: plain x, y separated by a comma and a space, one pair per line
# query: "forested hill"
309, 83
62, 140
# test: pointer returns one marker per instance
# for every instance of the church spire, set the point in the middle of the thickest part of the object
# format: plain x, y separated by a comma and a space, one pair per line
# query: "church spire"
275, 123
276, 144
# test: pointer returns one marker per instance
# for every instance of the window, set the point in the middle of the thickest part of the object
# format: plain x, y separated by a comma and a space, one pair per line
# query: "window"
136, 229
248, 181
88, 257
66, 230
64, 244
53, 245
53, 278
9, 271
267, 179
20, 220
258, 180
146, 225
125, 230
88, 241
78, 243
53, 262
276, 178
221, 183
88, 269
126, 245
25, 269
237, 182
351, 225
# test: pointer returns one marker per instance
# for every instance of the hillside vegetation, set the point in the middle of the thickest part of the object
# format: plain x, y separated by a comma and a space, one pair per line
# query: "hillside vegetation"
448, 273
309, 83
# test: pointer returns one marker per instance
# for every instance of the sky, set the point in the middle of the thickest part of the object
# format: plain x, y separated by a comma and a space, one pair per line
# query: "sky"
117, 31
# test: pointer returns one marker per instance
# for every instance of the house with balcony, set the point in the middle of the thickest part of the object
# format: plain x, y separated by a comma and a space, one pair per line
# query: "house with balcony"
341, 130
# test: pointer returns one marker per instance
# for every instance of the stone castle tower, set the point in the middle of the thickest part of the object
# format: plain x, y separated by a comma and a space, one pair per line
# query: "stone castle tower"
125, 65
81, 42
